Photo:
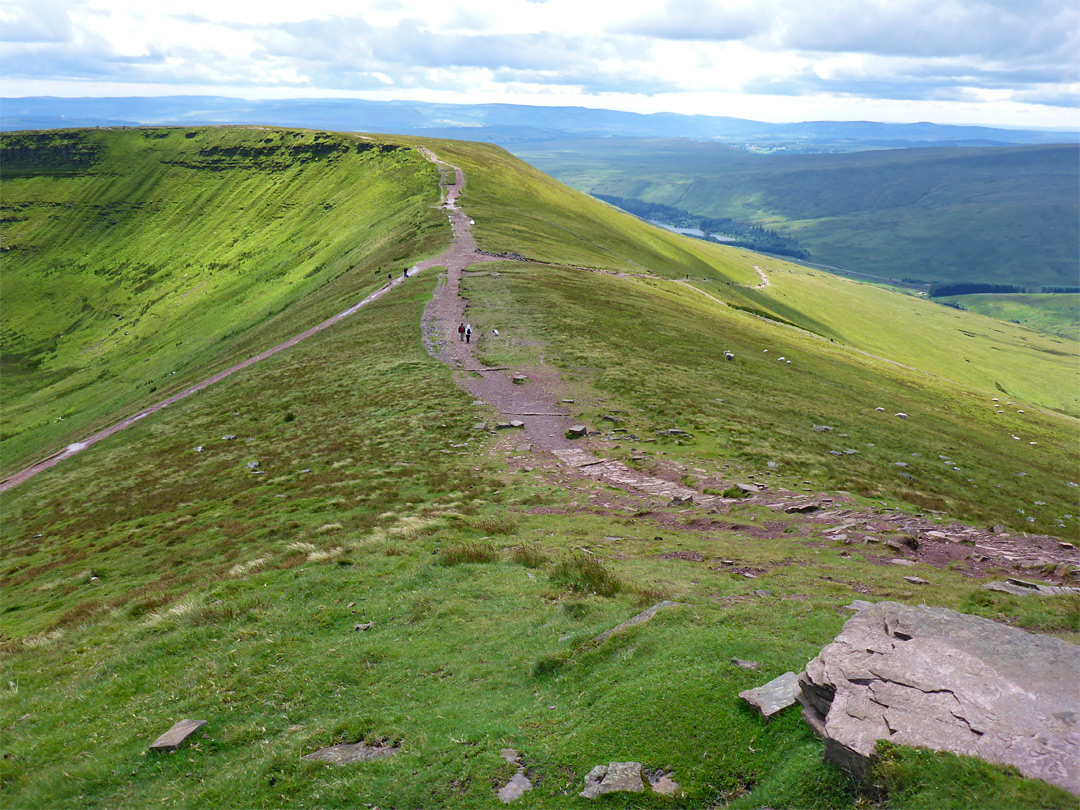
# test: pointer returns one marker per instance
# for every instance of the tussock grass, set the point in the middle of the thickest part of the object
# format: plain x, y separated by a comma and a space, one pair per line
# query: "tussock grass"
529, 556
461, 553
583, 573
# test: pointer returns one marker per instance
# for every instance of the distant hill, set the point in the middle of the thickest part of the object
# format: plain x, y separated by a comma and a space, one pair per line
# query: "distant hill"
503, 124
995, 214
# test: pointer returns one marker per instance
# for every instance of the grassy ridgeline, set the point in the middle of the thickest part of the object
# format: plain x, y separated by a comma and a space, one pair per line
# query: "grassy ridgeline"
140, 260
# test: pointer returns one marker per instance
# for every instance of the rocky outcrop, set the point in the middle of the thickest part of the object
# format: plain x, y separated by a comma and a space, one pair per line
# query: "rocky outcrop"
943, 680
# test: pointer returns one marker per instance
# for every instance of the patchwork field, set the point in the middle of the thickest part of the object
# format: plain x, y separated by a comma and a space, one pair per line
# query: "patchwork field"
324, 548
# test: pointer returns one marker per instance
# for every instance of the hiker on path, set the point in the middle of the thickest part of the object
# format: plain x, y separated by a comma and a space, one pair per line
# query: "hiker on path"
468, 333
405, 273
461, 331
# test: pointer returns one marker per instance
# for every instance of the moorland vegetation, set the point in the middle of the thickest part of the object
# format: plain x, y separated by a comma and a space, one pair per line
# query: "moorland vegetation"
387, 572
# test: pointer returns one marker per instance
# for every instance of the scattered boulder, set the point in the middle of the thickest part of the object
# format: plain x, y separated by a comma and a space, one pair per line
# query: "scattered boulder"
480, 426
775, 696
230, 437
252, 465
348, 753
519, 379
901, 416
743, 664
577, 432
729, 356
934, 678
822, 428
176, 736
687, 500
917, 580
802, 508
613, 778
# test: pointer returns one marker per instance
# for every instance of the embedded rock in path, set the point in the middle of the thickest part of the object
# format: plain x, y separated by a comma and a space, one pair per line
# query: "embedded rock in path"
612, 778
519, 379
775, 696
931, 677
176, 736
576, 432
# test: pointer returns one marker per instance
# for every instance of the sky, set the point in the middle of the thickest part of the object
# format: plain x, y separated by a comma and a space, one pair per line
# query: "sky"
1013, 63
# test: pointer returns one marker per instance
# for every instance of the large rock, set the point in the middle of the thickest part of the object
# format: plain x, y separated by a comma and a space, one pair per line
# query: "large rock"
775, 696
614, 777
943, 680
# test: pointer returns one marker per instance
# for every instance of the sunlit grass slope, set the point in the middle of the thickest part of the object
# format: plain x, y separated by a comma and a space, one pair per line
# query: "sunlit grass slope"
1008, 360
521, 210
136, 260
1054, 314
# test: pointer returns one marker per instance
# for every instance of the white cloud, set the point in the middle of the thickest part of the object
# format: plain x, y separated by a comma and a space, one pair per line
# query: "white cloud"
787, 59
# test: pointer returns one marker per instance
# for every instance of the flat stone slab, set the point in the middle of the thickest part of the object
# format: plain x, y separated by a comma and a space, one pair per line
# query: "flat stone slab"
931, 677
1022, 587
347, 753
613, 778
519, 783
176, 736
644, 616
775, 696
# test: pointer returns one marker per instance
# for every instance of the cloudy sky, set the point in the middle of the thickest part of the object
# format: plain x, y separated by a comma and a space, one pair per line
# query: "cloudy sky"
996, 62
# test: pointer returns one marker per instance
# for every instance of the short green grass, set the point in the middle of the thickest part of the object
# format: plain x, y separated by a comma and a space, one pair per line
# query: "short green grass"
1057, 314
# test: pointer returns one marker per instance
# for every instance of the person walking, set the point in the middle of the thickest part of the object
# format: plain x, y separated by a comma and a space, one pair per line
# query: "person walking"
461, 332
468, 332
405, 273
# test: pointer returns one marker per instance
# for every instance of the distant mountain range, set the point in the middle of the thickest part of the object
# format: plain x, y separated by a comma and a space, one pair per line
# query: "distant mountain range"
504, 124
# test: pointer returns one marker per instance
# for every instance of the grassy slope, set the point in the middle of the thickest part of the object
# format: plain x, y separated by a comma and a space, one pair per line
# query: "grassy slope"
166, 254
994, 214
1053, 314
146, 582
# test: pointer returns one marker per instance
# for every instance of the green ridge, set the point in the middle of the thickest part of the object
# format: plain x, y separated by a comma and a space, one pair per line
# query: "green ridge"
143, 581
